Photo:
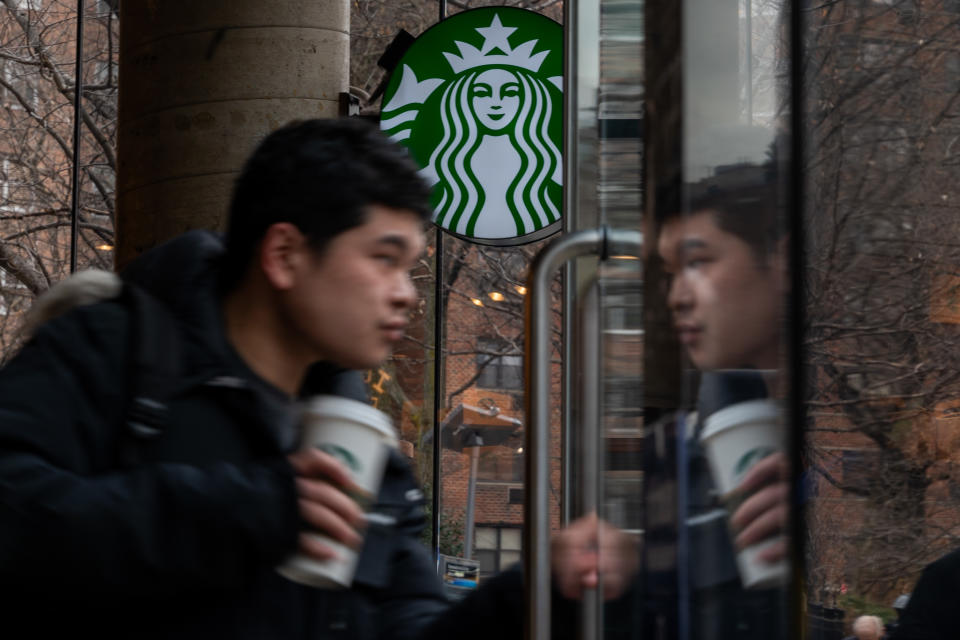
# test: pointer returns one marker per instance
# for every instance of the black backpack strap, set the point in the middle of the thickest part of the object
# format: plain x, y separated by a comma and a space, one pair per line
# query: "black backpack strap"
155, 362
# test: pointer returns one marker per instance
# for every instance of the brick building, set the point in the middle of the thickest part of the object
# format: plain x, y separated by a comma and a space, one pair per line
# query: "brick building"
881, 332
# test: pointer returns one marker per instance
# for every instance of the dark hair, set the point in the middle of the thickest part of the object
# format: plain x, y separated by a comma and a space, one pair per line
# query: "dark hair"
320, 175
745, 200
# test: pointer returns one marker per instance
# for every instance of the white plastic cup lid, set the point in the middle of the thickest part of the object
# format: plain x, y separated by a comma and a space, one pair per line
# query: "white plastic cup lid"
353, 410
741, 413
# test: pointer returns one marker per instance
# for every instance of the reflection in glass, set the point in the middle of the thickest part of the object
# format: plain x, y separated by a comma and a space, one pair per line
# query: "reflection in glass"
498, 548
718, 277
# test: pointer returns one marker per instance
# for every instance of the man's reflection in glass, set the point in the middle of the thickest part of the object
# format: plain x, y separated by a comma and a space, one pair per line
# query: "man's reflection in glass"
726, 255
727, 281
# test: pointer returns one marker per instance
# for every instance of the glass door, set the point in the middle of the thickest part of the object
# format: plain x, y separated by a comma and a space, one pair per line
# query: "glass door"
677, 399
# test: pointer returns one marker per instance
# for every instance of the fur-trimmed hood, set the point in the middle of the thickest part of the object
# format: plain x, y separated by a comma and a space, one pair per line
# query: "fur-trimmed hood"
181, 273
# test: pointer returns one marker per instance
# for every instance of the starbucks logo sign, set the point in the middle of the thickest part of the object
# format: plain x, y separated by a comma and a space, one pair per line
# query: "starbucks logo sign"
477, 100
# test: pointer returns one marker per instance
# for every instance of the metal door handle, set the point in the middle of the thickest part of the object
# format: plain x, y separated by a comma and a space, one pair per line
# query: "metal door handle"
603, 243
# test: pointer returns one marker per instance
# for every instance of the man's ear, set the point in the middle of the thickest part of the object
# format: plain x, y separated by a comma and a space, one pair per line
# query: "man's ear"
282, 252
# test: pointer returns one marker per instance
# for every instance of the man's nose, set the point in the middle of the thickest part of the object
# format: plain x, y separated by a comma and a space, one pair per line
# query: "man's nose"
678, 296
404, 293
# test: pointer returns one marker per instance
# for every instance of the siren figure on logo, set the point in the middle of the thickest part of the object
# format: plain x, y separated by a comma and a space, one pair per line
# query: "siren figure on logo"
487, 136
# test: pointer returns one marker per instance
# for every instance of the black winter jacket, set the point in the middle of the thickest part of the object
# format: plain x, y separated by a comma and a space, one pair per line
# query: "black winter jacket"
929, 613
184, 544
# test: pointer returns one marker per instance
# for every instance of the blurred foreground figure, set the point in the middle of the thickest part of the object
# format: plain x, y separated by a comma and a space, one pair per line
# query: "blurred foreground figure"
929, 613
126, 517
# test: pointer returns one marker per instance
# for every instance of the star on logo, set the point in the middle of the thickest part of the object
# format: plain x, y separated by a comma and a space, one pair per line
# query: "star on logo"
495, 36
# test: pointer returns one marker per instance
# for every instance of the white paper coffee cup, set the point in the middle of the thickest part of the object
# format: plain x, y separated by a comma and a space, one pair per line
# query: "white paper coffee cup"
735, 439
360, 437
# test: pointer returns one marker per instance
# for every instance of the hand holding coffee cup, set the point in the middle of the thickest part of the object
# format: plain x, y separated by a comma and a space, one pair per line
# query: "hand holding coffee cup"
744, 445
765, 512
340, 465
324, 487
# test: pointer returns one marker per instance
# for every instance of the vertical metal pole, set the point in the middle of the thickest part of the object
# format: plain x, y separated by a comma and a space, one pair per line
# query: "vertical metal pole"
749, 53
75, 174
591, 344
471, 500
796, 350
581, 73
569, 410
683, 533
537, 368
536, 524
438, 322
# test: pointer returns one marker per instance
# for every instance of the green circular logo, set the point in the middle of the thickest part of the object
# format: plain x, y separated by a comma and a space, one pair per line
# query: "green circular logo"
478, 101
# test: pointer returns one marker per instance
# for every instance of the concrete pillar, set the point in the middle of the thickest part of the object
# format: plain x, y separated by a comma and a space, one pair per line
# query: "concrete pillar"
200, 84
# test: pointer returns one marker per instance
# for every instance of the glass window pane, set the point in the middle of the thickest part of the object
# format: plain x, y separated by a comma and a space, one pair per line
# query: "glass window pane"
508, 558
488, 561
515, 362
510, 539
485, 538
488, 375
512, 377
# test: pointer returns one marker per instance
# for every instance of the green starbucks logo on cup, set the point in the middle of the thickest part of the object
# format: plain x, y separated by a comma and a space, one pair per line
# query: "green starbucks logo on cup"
343, 455
747, 460
477, 100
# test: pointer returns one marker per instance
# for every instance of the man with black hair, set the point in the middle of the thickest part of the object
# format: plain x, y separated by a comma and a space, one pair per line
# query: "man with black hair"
725, 252
181, 538
726, 256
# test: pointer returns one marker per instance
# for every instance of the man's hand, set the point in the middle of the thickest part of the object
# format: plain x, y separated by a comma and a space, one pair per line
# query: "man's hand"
766, 511
589, 553
323, 485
